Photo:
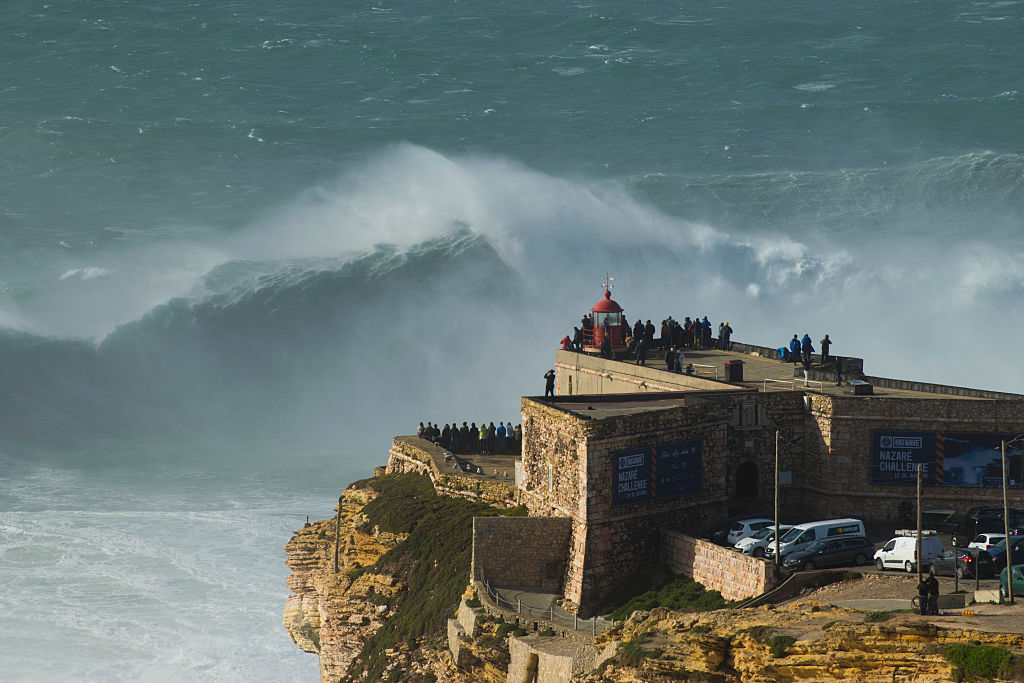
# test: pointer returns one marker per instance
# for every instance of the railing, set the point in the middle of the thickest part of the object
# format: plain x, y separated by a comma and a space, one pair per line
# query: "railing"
595, 624
792, 384
706, 369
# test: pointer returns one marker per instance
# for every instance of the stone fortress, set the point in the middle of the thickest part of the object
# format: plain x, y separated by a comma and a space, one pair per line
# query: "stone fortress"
627, 464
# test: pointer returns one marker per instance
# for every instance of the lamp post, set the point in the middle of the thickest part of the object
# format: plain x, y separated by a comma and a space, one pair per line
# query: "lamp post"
1006, 528
777, 498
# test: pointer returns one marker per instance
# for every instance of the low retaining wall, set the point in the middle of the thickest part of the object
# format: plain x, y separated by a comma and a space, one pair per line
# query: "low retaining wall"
427, 460
735, 575
521, 552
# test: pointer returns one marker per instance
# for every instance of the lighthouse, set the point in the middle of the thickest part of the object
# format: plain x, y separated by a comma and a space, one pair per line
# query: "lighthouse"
607, 317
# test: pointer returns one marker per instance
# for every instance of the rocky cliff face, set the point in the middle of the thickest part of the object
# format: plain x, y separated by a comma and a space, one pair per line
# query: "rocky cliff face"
335, 614
802, 642
332, 614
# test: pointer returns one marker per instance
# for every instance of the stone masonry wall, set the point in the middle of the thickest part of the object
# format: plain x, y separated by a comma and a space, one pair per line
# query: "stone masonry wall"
521, 552
591, 374
837, 470
735, 575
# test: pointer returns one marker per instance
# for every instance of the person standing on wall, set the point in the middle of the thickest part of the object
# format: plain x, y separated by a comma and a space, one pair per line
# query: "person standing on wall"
726, 335
549, 383
641, 352
825, 344
839, 370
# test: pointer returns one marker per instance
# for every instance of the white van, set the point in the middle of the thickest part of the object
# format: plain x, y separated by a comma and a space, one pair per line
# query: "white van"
901, 552
802, 535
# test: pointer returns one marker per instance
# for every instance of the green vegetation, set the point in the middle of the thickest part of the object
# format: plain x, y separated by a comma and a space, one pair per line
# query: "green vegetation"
759, 633
661, 588
979, 661
700, 628
631, 654
473, 602
546, 632
432, 560
871, 617
778, 644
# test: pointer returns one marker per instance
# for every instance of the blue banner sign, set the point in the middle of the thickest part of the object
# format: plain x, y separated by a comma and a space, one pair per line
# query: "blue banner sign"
657, 472
946, 459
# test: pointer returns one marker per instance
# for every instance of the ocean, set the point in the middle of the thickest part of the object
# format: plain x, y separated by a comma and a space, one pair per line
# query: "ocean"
242, 245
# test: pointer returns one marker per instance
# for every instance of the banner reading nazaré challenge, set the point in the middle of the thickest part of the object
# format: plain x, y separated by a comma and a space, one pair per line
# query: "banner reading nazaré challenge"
947, 458
657, 472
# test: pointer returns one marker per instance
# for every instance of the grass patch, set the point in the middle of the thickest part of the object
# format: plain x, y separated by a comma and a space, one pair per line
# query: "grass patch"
872, 617
778, 644
632, 655
661, 588
546, 632
700, 628
759, 633
980, 661
432, 560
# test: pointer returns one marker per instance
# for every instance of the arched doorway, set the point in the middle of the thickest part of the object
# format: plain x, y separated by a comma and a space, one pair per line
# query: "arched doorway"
746, 480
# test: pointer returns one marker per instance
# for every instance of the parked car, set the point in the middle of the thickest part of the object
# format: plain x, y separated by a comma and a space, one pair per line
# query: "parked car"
985, 541
962, 562
1018, 581
755, 545
834, 552
943, 520
802, 535
901, 552
987, 519
746, 527
998, 551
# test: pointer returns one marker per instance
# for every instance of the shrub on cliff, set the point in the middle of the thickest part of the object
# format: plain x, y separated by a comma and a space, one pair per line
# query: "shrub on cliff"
979, 661
661, 589
432, 561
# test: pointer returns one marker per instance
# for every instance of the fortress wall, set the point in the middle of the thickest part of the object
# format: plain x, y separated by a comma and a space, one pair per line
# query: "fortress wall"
521, 552
554, 443
592, 374
838, 470
735, 575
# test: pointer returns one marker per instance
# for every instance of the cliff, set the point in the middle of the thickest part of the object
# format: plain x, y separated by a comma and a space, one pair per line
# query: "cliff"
392, 611
403, 562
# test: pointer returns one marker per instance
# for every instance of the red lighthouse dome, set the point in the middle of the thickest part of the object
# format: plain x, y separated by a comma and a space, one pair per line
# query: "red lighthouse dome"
606, 317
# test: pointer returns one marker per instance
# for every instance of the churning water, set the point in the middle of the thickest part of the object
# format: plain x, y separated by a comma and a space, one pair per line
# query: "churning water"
243, 244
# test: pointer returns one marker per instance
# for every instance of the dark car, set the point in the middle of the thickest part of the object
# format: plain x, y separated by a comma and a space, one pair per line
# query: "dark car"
831, 552
962, 562
998, 552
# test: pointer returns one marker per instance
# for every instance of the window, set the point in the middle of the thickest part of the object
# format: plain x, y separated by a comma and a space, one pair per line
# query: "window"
889, 546
806, 537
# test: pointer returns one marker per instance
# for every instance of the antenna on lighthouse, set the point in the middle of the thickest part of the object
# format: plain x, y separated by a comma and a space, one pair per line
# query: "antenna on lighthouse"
608, 279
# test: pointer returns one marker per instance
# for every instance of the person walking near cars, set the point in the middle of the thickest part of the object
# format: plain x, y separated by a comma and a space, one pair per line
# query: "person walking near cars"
922, 595
933, 592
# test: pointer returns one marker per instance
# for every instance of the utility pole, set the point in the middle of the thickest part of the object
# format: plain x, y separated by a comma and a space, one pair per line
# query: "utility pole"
917, 555
1006, 528
776, 498
337, 533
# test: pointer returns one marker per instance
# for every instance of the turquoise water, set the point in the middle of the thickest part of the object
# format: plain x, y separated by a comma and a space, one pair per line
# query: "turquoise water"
242, 244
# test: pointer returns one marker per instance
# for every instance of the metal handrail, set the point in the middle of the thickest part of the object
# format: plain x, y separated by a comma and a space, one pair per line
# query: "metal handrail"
595, 624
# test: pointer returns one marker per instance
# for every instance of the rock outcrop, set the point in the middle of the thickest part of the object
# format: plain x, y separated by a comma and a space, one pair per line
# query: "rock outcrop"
332, 614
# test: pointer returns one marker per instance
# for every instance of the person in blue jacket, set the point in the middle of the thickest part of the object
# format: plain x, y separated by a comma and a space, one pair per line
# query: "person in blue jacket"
808, 348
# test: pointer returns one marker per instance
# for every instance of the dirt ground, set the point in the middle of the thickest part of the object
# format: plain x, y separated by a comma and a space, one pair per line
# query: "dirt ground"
903, 587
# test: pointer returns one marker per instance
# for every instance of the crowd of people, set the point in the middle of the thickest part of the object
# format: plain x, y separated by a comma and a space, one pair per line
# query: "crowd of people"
469, 438
692, 333
800, 351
